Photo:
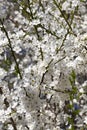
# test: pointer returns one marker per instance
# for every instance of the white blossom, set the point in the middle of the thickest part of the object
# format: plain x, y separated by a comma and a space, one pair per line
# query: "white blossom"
46, 48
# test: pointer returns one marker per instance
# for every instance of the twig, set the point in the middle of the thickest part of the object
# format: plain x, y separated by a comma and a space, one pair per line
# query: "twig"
27, 127
49, 31
10, 45
58, 49
13, 123
32, 17
60, 91
60, 59
42, 79
40, 4
57, 5
41, 52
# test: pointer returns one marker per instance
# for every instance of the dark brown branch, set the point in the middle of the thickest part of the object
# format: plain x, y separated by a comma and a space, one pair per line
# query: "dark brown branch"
42, 79
13, 123
10, 45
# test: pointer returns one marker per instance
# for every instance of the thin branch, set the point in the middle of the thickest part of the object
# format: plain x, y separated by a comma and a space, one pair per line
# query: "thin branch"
60, 59
41, 5
49, 31
32, 17
58, 49
60, 91
13, 123
41, 52
27, 127
10, 45
42, 78
57, 5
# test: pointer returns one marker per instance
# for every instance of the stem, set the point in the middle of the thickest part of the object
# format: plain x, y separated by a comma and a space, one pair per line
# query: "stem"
41, 52
42, 78
31, 14
10, 45
59, 90
13, 123
58, 49
60, 59
64, 17
40, 4
49, 31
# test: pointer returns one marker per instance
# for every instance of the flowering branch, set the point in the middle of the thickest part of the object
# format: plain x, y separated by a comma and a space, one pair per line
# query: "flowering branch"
10, 45
57, 5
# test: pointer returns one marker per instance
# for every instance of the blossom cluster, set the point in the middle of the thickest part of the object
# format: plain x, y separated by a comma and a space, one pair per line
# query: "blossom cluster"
43, 65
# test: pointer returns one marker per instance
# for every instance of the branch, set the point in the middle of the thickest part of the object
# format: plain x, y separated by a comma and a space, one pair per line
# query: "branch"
10, 45
57, 5
13, 123
48, 31
42, 79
